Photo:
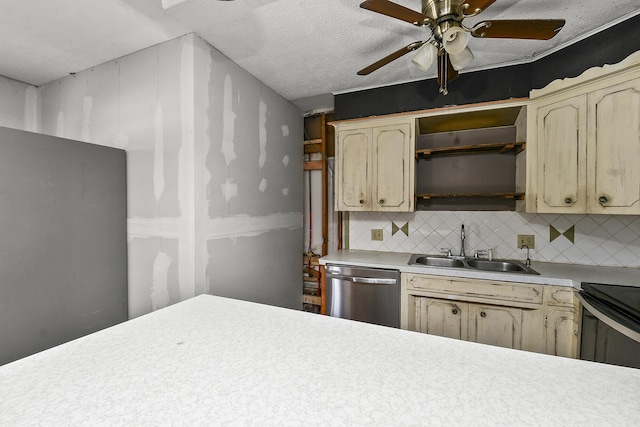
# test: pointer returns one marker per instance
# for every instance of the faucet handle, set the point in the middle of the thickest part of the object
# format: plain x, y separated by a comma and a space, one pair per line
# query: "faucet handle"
446, 251
479, 253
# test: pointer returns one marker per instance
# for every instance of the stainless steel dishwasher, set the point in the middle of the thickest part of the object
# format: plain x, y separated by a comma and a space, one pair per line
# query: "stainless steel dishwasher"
369, 295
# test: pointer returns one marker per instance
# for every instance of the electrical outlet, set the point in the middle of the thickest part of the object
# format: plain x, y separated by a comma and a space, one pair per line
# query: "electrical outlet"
376, 234
526, 239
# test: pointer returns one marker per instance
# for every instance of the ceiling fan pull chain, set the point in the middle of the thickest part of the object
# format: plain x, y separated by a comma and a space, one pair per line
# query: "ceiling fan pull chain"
444, 73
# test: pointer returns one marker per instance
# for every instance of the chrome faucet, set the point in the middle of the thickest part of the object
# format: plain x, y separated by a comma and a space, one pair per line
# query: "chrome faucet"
528, 260
462, 237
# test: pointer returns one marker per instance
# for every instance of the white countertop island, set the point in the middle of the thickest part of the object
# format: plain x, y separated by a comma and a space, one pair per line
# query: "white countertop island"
213, 361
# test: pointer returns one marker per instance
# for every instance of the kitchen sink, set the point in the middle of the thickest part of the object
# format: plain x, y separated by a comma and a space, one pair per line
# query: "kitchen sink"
496, 265
437, 261
507, 266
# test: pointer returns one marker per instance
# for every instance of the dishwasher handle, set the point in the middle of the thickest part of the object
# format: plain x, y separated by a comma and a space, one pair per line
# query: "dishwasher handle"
365, 280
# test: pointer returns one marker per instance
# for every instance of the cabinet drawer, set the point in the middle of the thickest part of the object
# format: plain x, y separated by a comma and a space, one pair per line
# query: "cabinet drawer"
561, 296
474, 290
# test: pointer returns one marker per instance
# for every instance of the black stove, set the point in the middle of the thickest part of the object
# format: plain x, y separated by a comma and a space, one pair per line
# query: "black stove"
616, 305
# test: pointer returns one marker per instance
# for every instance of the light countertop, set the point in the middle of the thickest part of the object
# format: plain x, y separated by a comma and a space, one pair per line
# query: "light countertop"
213, 361
550, 273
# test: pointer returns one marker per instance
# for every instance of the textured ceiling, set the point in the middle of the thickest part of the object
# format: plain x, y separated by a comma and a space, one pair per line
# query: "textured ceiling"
305, 50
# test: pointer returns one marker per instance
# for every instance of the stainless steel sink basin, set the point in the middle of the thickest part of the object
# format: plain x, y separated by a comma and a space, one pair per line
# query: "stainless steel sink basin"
437, 261
505, 266
496, 265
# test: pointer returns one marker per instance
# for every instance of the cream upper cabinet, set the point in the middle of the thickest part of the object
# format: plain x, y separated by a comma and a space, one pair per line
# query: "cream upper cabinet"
375, 168
614, 149
561, 150
584, 143
354, 165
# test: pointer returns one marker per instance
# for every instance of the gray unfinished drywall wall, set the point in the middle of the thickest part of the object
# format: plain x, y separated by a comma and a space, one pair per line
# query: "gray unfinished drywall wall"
18, 105
137, 103
63, 271
249, 194
169, 107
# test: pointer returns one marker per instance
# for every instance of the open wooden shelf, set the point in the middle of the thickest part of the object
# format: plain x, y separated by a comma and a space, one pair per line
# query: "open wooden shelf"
500, 147
313, 146
516, 196
318, 147
313, 165
311, 299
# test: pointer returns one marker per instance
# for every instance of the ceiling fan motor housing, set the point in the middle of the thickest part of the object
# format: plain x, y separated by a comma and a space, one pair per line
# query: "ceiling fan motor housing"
438, 10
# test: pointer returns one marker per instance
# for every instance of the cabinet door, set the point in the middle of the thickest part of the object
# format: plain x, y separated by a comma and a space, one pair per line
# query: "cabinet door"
561, 161
353, 170
393, 168
614, 149
562, 333
501, 326
441, 317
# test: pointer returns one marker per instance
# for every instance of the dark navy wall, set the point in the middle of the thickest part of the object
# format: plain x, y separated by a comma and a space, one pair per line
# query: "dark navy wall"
606, 47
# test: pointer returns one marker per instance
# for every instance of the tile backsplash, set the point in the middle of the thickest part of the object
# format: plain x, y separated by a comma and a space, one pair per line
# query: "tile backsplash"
611, 240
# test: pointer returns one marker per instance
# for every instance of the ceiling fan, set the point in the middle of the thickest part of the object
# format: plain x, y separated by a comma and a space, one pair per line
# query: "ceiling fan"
448, 39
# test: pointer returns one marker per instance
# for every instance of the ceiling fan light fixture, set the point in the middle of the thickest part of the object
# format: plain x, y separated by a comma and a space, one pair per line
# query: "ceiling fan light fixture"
454, 40
425, 55
449, 35
461, 59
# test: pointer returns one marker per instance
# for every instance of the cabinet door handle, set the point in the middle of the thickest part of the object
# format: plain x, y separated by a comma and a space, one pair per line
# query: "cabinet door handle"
568, 200
381, 201
602, 199
362, 201
483, 314
454, 311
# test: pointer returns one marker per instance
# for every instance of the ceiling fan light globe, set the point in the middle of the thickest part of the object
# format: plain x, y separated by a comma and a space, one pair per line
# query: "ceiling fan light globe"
461, 59
454, 40
425, 55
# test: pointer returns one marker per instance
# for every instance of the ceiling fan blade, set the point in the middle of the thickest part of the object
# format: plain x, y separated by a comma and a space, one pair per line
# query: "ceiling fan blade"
532, 29
395, 10
391, 57
474, 7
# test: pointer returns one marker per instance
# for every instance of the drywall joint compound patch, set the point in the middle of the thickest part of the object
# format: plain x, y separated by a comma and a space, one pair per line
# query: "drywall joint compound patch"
262, 126
158, 154
160, 287
228, 123
229, 189
87, 106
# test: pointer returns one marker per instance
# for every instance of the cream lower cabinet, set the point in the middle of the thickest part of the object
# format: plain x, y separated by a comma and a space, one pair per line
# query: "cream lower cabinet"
583, 143
506, 314
496, 325
375, 167
439, 317
562, 322
481, 323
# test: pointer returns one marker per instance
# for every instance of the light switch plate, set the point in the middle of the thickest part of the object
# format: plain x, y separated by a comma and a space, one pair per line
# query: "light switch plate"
376, 234
528, 240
